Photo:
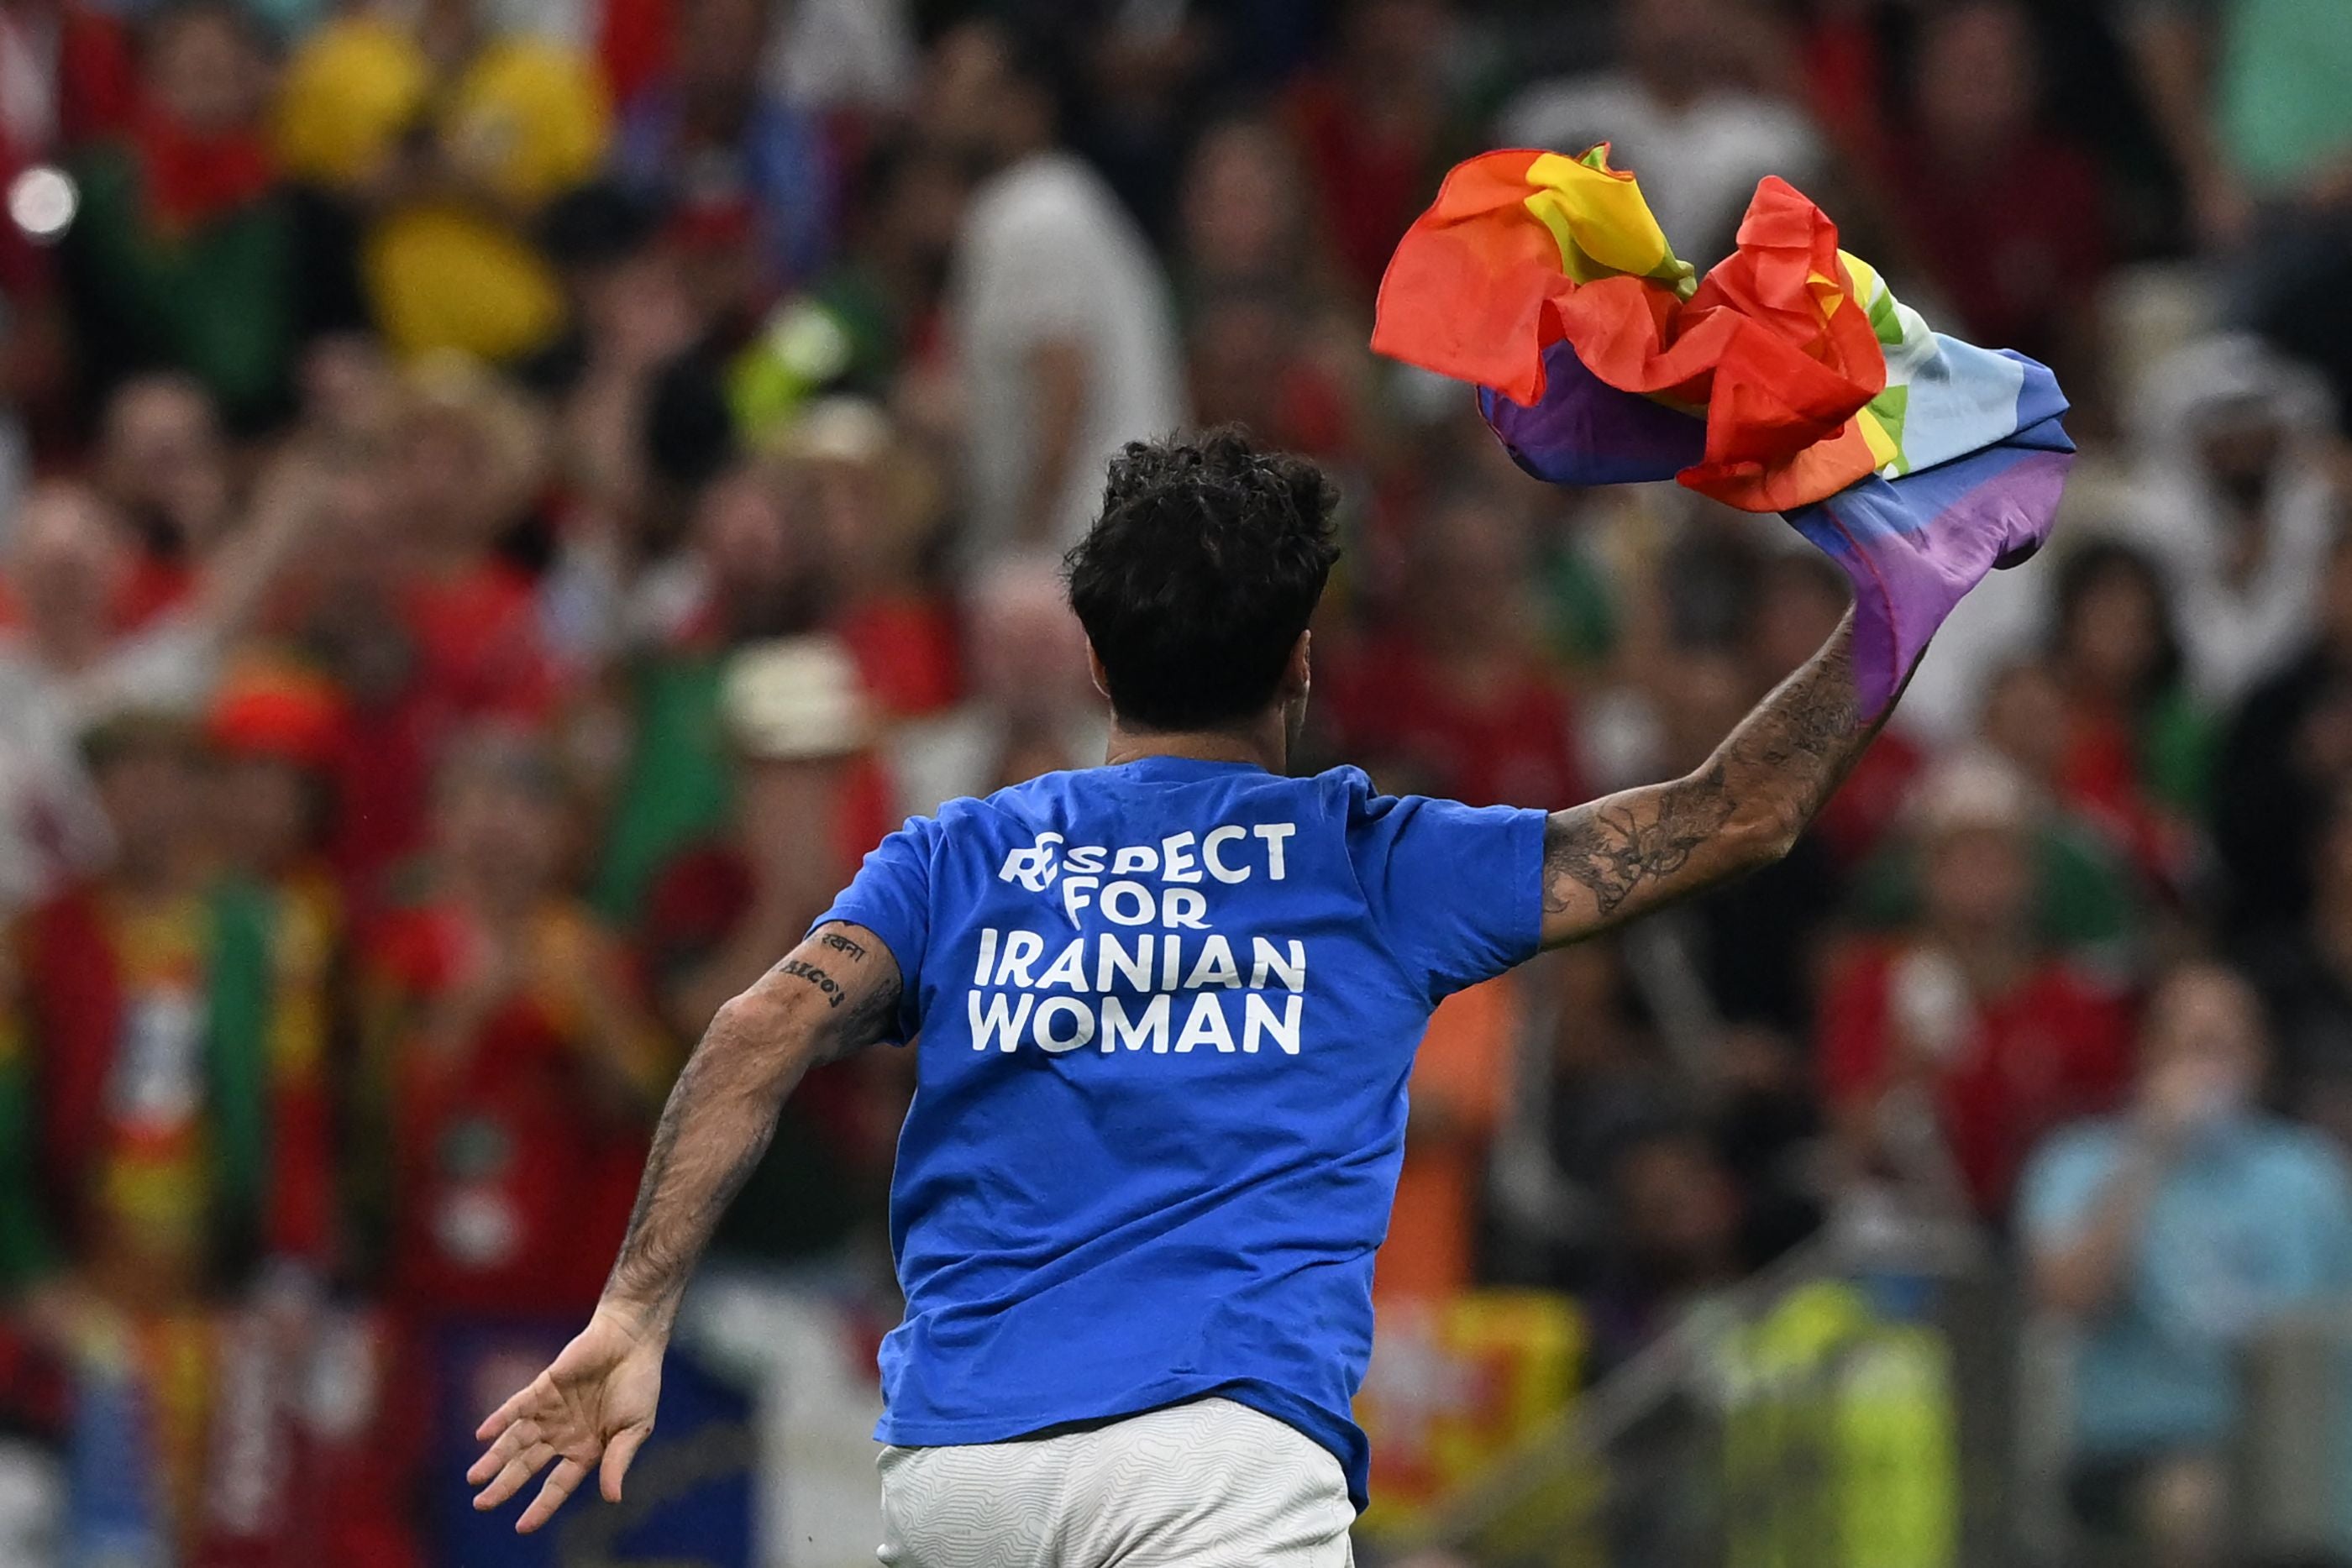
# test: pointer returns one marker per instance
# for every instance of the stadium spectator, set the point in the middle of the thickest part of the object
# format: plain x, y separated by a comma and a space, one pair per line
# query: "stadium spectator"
510, 1072
70, 74
2105, 727
176, 1144
2117, 649
1687, 107
2166, 1236
1946, 1050
2286, 754
2247, 95
1065, 339
1376, 124
2237, 500
163, 462
452, 138
184, 252
416, 612
2005, 216
874, 504
750, 572
276, 731
1270, 336
1031, 708
1458, 700
2304, 971
741, 175
1677, 1237
886, 288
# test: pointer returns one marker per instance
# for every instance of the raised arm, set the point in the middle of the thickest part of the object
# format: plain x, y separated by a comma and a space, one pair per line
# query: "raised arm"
1612, 859
837, 991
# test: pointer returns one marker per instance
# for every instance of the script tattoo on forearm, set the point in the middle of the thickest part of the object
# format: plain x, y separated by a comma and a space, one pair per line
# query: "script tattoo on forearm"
1631, 851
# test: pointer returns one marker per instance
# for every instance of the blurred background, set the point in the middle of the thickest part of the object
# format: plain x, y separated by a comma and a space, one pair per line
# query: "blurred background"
503, 501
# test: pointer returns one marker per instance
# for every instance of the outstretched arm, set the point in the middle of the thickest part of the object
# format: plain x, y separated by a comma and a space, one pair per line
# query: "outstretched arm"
1612, 859
836, 992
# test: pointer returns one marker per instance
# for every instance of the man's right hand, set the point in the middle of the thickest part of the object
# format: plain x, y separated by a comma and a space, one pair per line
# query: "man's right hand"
593, 1405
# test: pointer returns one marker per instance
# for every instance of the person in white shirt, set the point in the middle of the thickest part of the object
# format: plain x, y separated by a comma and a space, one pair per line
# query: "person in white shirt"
1676, 111
1032, 708
1064, 328
2234, 494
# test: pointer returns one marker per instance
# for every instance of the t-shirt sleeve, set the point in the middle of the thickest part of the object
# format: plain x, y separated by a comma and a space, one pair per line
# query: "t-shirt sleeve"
1455, 891
891, 896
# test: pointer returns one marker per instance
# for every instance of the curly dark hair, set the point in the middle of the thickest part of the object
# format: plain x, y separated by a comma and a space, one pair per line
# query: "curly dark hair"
1195, 583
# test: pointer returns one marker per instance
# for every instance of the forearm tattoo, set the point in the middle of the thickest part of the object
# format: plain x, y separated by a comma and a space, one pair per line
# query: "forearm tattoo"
1612, 849
1633, 851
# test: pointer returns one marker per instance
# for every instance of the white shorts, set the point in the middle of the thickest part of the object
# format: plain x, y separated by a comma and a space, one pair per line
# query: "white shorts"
1211, 1484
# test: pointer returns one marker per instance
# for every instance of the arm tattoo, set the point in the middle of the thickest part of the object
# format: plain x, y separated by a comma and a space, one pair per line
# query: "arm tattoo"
1613, 850
871, 1017
722, 1113
814, 976
1632, 851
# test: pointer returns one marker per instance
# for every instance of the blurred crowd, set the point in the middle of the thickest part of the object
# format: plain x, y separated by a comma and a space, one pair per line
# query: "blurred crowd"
503, 501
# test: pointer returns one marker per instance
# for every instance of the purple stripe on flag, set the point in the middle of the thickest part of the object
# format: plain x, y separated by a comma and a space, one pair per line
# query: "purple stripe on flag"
1586, 432
1914, 546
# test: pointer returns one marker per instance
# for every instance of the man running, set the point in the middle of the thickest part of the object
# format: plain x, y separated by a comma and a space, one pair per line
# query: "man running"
1166, 1009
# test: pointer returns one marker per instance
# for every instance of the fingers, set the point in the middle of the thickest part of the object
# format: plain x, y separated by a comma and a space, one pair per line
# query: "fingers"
516, 1471
623, 1449
500, 1419
510, 1442
560, 1482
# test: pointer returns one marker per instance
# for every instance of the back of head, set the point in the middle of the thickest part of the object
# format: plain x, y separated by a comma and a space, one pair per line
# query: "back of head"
1199, 576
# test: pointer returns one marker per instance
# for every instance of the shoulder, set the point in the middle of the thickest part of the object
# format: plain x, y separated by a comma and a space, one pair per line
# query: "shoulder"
2302, 1158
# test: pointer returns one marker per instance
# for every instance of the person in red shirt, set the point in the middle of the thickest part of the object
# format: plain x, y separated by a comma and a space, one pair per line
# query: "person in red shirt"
2006, 216
416, 614
1948, 1049
164, 461
1374, 128
876, 505
1460, 701
511, 1069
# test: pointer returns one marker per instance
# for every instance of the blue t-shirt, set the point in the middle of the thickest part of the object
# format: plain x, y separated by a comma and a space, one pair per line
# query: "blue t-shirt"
1167, 1011
2252, 1218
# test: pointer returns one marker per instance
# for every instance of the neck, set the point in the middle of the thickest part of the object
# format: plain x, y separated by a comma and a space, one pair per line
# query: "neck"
1263, 742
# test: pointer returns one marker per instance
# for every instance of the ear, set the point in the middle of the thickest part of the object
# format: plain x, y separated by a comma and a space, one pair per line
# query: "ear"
1097, 673
1299, 674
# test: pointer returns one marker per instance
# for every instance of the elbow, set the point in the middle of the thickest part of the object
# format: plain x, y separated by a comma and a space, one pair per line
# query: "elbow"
1767, 838
759, 1012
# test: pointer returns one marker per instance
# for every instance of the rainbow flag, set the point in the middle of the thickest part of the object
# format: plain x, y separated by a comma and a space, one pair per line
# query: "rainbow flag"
1789, 379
